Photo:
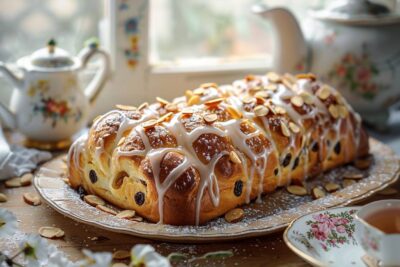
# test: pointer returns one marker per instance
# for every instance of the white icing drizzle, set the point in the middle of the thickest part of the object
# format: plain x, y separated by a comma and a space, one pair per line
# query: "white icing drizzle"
75, 151
229, 129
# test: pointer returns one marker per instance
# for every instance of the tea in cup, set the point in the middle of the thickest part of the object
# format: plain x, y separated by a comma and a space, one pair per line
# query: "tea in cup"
378, 231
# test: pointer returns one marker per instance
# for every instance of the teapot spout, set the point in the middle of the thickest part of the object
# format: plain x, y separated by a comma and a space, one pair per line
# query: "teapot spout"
10, 76
290, 47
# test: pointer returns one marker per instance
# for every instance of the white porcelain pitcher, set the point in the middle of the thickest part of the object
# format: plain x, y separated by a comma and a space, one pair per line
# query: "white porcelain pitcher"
47, 105
352, 45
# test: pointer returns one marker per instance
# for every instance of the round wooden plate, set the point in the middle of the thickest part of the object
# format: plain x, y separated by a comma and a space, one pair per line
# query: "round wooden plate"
273, 214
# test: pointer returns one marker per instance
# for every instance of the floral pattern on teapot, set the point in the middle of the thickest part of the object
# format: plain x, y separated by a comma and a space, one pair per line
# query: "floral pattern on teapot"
51, 108
358, 73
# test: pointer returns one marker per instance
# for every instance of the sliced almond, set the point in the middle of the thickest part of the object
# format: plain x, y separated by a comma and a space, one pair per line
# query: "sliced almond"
188, 110
137, 219
214, 102
297, 101
261, 111
271, 87
234, 215
193, 100
32, 199
162, 101
171, 107
121, 255
273, 77
199, 91
293, 126
306, 76
348, 182
256, 89
317, 193
333, 110
165, 117
353, 176
188, 94
363, 164
143, 106
125, 107
26, 179
331, 187
343, 112
121, 141
307, 98
3, 197
323, 93
126, 214
233, 156
51, 232
261, 94
149, 123
234, 112
208, 85
13, 182
285, 130
297, 190
93, 200
388, 191
248, 99
210, 118
250, 78
289, 77
280, 110
287, 83
106, 209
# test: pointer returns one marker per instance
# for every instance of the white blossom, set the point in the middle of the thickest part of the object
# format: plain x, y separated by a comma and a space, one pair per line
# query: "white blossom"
95, 259
56, 258
145, 255
8, 223
35, 250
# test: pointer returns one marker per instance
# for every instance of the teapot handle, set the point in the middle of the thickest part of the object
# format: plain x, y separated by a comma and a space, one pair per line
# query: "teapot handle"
97, 83
6, 115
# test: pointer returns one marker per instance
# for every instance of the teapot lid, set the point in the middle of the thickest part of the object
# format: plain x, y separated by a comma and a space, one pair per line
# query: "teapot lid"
49, 58
361, 12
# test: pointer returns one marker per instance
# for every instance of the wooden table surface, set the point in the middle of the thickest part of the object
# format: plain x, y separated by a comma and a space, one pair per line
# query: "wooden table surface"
269, 250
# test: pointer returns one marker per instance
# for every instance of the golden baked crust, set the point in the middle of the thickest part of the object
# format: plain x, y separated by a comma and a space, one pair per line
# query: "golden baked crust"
192, 160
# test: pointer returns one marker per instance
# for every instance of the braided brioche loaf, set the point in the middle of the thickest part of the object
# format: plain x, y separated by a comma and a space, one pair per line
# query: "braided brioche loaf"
191, 160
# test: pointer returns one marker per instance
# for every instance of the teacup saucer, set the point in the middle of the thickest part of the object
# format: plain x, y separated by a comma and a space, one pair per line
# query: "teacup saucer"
326, 238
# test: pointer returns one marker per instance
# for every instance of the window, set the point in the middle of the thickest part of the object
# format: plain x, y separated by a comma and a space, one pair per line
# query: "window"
213, 32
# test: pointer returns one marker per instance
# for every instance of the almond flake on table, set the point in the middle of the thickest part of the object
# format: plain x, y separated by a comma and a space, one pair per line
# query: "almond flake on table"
32, 199
13, 182
3, 197
26, 179
121, 255
51, 232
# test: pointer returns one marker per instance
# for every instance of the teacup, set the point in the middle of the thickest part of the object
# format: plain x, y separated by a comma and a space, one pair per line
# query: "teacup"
378, 231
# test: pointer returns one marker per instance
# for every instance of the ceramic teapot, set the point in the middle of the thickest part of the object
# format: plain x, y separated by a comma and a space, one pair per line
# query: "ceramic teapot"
352, 44
47, 105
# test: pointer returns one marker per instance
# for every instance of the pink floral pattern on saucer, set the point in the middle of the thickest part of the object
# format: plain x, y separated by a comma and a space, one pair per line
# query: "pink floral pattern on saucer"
332, 229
